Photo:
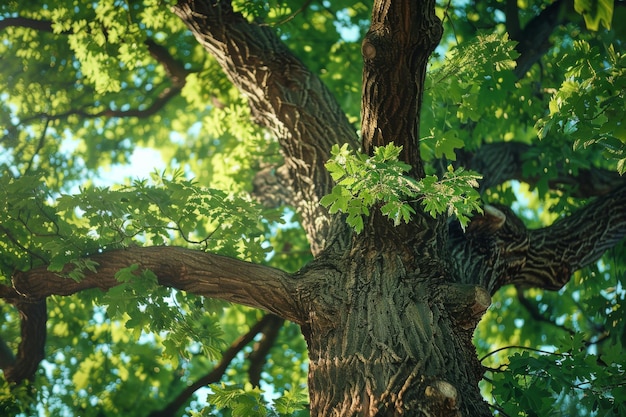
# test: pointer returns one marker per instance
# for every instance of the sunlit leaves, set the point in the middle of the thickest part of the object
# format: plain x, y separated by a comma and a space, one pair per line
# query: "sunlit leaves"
472, 84
380, 180
247, 401
595, 12
589, 107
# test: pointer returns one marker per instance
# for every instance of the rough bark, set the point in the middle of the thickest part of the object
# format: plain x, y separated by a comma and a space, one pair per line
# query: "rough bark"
185, 269
395, 52
503, 161
499, 250
390, 333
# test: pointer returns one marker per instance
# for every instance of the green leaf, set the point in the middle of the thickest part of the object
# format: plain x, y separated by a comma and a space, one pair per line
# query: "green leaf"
595, 12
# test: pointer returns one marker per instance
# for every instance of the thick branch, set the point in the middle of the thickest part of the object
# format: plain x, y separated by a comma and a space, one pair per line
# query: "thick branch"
503, 161
395, 50
284, 96
31, 350
498, 250
574, 242
185, 269
534, 39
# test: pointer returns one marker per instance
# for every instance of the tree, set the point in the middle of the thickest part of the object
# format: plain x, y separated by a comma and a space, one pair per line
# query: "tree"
406, 230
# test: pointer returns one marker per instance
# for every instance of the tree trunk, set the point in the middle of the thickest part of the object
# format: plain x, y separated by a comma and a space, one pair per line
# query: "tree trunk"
388, 335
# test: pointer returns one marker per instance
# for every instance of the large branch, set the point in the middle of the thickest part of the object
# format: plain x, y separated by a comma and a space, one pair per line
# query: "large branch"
534, 38
498, 250
31, 349
503, 161
284, 96
185, 269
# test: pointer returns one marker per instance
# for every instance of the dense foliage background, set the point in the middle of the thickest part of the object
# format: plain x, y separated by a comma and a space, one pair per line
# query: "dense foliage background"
88, 88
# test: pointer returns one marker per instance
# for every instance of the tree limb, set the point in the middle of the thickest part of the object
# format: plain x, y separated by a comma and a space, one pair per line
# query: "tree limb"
574, 242
534, 37
285, 97
503, 161
189, 270
498, 250
31, 350
395, 52
261, 349
218, 371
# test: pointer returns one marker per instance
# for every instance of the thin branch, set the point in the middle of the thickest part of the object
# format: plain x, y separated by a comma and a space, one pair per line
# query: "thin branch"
218, 371
292, 15
536, 314
542, 351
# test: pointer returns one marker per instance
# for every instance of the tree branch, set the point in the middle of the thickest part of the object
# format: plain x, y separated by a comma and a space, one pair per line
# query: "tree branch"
262, 348
534, 38
218, 371
574, 242
31, 350
503, 161
498, 250
185, 269
285, 97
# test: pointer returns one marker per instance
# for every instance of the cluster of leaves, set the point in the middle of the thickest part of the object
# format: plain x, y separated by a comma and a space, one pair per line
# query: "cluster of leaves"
590, 105
364, 182
595, 12
247, 401
574, 380
473, 83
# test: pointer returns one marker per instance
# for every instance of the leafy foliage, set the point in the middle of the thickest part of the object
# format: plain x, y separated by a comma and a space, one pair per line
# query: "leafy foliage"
589, 107
572, 379
364, 182
247, 401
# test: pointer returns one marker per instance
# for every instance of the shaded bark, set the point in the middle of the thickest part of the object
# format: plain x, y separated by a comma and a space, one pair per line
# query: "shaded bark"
499, 250
504, 161
534, 38
31, 350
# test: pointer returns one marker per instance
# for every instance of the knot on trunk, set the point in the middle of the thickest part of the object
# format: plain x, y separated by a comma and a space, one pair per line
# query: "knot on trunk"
466, 303
442, 398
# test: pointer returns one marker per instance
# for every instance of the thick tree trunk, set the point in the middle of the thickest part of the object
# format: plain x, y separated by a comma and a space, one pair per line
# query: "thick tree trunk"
389, 335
